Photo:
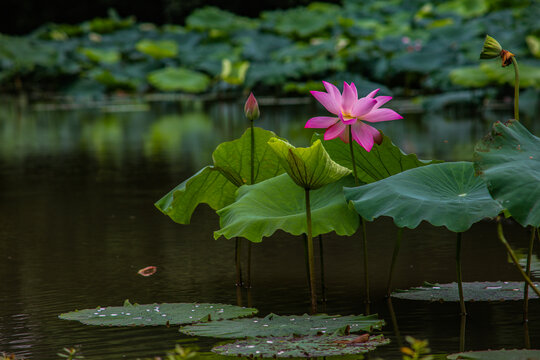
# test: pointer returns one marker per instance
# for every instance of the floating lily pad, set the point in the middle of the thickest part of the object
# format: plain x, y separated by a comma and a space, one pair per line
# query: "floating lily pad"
508, 159
472, 291
382, 161
305, 346
447, 194
216, 185
497, 355
279, 204
276, 325
157, 314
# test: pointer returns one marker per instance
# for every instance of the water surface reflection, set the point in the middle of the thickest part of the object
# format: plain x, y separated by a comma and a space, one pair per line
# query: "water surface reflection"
77, 222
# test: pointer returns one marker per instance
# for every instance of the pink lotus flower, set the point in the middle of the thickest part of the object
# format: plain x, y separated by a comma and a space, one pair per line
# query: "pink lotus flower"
351, 111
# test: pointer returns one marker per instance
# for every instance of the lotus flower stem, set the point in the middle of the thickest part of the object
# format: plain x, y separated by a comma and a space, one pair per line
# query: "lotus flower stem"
516, 88
310, 256
252, 181
355, 174
458, 270
394, 259
321, 259
528, 271
366, 275
515, 260
364, 238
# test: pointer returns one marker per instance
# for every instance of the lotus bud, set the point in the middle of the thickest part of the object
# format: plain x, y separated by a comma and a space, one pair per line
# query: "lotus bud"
251, 109
491, 48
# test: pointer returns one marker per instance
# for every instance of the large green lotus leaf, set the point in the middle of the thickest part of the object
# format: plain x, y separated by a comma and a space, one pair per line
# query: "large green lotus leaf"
175, 78
207, 186
472, 291
233, 158
216, 185
276, 325
157, 314
497, 355
158, 49
508, 159
305, 346
279, 204
382, 161
447, 194
310, 168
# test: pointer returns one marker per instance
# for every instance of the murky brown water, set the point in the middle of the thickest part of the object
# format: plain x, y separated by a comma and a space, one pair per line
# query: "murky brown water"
77, 221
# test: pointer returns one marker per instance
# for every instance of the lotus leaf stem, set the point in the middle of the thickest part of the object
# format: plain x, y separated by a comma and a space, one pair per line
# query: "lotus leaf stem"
462, 330
310, 255
306, 257
321, 259
237, 261
394, 322
516, 88
248, 280
528, 271
515, 260
458, 271
526, 335
394, 259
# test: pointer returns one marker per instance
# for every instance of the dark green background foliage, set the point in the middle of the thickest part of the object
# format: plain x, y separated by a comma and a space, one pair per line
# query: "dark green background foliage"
413, 47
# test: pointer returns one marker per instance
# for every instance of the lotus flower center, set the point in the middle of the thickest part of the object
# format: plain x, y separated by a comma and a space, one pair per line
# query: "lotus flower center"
347, 116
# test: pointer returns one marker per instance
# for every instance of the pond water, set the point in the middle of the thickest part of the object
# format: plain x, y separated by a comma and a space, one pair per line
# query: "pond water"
77, 221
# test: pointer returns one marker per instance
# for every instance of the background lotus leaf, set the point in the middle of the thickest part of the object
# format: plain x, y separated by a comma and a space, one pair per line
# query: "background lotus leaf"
447, 194
216, 185
305, 346
276, 325
279, 204
472, 291
176, 78
104, 56
157, 314
382, 161
508, 159
497, 355
158, 49
310, 168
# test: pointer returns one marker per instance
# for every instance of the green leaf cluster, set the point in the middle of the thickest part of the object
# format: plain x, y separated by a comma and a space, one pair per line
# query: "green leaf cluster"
384, 160
216, 185
284, 49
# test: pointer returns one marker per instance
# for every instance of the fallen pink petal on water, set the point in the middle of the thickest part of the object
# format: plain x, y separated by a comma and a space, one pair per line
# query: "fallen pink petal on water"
147, 271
